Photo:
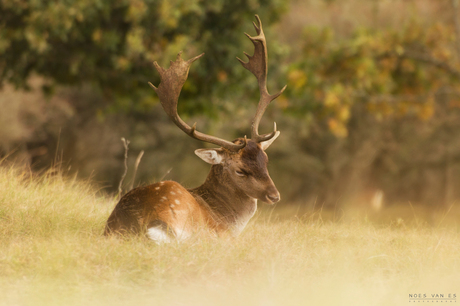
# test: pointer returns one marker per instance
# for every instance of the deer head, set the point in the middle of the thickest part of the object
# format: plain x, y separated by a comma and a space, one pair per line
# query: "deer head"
245, 169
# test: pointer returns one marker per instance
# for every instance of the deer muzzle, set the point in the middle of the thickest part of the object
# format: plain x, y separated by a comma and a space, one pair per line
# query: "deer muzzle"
272, 197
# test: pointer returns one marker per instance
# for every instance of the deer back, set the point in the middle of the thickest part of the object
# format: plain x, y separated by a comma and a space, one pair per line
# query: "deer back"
163, 210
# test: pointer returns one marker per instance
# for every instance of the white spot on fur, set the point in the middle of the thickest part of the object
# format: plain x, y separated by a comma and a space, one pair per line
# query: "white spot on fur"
177, 202
161, 183
164, 198
179, 192
171, 205
157, 188
173, 193
158, 235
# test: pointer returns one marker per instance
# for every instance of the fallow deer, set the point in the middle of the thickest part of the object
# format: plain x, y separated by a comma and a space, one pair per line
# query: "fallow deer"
226, 201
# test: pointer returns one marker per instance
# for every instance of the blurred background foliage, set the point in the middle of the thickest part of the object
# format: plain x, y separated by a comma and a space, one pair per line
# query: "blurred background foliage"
372, 106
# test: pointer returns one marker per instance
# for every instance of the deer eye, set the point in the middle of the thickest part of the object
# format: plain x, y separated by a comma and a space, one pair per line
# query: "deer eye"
241, 173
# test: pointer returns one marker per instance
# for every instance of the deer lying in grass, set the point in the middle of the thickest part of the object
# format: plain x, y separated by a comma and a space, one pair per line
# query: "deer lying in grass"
238, 177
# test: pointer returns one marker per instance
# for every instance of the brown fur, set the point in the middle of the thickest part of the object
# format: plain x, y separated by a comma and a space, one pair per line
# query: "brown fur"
224, 203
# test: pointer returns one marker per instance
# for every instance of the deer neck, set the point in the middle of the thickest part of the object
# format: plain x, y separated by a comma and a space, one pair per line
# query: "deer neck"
228, 204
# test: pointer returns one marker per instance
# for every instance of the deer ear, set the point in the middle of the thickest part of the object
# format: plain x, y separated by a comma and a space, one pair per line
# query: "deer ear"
266, 144
211, 156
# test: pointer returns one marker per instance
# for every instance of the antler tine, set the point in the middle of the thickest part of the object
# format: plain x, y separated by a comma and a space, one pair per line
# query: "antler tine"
258, 65
172, 81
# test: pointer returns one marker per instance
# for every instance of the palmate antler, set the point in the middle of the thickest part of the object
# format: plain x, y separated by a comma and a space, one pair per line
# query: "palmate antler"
169, 90
258, 65
173, 79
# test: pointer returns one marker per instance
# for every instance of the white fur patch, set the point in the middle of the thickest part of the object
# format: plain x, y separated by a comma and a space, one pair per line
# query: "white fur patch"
157, 188
182, 235
177, 202
173, 193
243, 220
158, 235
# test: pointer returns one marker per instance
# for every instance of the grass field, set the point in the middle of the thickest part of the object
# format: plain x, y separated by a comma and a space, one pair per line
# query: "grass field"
52, 253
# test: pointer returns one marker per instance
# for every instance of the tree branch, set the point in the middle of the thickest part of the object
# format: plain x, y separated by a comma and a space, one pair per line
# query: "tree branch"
432, 61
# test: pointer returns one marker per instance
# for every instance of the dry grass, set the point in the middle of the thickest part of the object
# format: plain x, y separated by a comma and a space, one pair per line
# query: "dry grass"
52, 253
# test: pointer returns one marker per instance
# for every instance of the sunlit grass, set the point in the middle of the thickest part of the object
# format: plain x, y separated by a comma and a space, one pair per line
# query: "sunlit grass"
52, 253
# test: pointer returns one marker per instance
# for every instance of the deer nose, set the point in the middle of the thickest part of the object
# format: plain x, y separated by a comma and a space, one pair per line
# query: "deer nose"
274, 197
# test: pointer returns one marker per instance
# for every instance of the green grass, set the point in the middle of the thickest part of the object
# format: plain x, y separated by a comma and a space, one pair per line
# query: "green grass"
52, 253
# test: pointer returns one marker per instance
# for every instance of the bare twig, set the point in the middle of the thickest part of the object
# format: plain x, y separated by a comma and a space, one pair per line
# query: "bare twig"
125, 144
57, 148
138, 160
167, 172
